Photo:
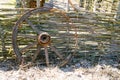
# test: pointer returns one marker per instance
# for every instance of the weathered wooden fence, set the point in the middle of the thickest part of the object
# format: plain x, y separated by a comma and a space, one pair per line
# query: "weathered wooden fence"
98, 33
96, 30
8, 17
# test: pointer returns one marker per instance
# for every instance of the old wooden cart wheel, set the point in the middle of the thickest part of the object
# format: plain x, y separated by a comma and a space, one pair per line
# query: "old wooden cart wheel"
46, 35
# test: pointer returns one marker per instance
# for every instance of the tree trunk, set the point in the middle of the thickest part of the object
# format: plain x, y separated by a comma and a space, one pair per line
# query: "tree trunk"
94, 5
67, 9
118, 11
110, 5
85, 4
115, 5
42, 2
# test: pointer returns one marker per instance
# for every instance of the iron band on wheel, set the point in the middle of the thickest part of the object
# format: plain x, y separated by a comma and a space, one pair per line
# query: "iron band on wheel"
50, 34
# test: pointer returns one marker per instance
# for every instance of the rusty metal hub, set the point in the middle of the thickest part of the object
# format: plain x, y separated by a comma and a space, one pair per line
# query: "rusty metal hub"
44, 39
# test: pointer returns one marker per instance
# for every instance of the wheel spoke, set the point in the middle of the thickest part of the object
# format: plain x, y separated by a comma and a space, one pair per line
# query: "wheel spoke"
32, 25
46, 56
56, 52
27, 47
66, 60
37, 52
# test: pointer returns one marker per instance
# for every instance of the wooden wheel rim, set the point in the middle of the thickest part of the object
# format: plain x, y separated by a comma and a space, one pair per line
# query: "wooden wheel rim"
23, 18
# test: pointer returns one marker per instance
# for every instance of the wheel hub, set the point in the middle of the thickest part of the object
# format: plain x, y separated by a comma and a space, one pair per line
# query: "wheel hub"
44, 39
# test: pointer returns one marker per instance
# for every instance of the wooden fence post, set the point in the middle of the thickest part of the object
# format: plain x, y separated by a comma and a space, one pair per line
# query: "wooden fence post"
118, 12
94, 5
67, 5
38, 3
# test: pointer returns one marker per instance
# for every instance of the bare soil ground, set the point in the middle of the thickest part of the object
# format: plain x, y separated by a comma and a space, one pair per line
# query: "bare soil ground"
83, 70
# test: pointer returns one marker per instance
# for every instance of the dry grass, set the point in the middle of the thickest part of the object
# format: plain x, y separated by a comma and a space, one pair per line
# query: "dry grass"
8, 71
